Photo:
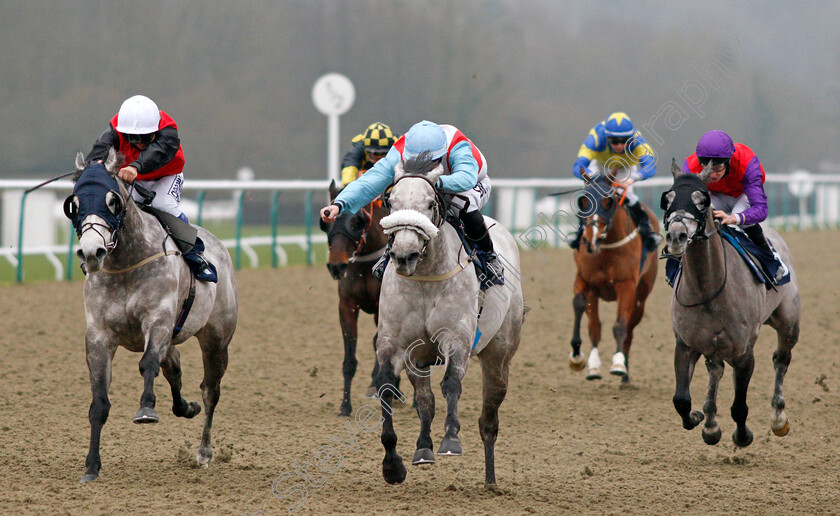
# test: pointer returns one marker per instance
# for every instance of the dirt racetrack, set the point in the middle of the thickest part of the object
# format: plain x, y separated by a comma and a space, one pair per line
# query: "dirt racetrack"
565, 445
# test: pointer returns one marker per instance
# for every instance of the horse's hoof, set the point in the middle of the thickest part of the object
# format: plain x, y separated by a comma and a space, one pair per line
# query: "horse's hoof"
394, 472
618, 370
742, 441
783, 431
695, 418
345, 410
711, 436
423, 456
90, 477
371, 393
450, 446
193, 409
146, 415
577, 362
203, 457
594, 374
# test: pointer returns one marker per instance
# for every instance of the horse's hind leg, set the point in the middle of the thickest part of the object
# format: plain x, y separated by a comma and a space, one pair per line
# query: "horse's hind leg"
214, 354
99, 359
711, 430
171, 367
494, 375
743, 372
622, 330
685, 359
787, 335
424, 400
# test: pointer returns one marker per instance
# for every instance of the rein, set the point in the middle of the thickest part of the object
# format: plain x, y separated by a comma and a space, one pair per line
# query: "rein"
440, 277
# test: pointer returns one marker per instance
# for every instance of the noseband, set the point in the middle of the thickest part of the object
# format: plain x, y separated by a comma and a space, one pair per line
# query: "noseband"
439, 209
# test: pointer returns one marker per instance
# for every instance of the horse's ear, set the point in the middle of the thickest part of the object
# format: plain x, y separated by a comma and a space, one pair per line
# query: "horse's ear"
399, 170
333, 190
80, 161
675, 169
111, 160
435, 173
706, 174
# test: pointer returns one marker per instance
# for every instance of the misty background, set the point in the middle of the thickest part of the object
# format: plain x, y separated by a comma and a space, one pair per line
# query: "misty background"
525, 80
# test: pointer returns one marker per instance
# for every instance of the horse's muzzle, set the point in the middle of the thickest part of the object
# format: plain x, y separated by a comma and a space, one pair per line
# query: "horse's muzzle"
337, 270
405, 264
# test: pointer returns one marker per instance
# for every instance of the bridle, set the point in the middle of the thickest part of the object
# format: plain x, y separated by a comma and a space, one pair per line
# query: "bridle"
439, 209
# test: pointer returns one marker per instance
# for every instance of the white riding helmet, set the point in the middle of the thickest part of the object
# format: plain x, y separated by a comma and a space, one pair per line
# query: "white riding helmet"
138, 115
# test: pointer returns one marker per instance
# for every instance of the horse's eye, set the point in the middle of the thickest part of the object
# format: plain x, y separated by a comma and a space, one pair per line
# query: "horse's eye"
114, 202
431, 205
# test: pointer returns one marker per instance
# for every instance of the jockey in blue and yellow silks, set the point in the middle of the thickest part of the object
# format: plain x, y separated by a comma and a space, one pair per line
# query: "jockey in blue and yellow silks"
615, 148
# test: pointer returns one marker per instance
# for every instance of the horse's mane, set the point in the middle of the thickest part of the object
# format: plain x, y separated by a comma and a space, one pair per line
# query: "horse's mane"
420, 165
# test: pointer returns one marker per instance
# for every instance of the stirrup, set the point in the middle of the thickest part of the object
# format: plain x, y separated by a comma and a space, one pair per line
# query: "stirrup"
492, 273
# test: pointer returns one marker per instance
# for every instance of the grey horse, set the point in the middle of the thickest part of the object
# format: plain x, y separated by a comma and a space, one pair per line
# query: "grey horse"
428, 314
717, 309
135, 288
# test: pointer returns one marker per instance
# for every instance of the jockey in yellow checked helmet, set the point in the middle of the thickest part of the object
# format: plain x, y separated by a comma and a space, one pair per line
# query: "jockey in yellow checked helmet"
615, 148
368, 148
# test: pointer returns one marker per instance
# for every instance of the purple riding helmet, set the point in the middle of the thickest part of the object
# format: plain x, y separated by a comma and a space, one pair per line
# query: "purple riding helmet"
715, 144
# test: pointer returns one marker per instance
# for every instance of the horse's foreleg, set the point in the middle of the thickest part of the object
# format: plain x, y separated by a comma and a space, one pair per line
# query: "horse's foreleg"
594, 361
393, 469
171, 367
156, 348
711, 430
626, 293
685, 359
743, 372
424, 400
214, 355
349, 317
99, 359
787, 336
371, 392
576, 360
456, 367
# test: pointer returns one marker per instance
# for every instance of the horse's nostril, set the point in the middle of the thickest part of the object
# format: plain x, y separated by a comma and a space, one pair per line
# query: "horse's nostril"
80, 254
100, 253
413, 257
683, 237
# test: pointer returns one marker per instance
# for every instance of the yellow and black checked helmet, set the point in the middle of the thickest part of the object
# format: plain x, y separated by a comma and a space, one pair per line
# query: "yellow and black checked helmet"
378, 138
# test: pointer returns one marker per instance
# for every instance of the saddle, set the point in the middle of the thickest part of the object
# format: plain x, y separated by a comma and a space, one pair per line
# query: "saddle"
760, 262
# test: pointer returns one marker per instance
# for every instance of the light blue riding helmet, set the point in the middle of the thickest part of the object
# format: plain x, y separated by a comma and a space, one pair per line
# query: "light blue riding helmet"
425, 136
619, 125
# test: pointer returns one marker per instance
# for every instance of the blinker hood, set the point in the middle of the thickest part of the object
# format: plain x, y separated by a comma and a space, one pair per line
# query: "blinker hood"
90, 189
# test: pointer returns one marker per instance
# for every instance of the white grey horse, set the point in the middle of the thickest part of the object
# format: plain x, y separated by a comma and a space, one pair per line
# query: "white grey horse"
428, 311
135, 288
718, 307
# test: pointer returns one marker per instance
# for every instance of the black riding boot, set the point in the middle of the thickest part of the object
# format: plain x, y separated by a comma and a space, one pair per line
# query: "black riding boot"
650, 239
477, 233
575, 243
756, 235
382, 263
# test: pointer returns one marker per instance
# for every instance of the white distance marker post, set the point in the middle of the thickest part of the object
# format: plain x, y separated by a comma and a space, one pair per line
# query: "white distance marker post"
333, 95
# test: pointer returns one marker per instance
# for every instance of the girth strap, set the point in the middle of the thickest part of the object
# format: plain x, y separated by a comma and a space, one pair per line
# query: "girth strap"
185, 309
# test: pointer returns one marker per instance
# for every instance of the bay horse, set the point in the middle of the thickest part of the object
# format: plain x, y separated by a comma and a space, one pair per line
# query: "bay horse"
134, 290
355, 242
429, 314
718, 307
611, 265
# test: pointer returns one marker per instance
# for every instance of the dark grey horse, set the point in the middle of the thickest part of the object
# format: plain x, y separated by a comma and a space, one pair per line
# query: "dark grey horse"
718, 307
135, 288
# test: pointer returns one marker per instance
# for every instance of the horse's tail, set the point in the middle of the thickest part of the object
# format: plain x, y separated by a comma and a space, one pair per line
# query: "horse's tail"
525, 310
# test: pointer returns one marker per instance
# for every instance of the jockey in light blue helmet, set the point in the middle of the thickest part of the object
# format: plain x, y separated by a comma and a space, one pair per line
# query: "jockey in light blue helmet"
425, 136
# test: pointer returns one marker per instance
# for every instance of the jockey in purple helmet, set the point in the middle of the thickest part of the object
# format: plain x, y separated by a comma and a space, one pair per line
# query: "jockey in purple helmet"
465, 174
736, 186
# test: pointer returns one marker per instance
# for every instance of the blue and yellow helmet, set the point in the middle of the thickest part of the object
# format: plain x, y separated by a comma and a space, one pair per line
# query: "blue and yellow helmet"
619, 125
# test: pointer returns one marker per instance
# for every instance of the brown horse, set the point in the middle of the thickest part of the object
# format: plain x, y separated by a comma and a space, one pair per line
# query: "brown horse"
355, 242
610, 266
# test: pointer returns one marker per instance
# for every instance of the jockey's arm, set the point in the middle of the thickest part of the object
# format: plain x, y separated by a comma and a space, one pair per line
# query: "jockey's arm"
463, 167
754, 190
106, 140
370, 185
159, 152
353, 161
647, 162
